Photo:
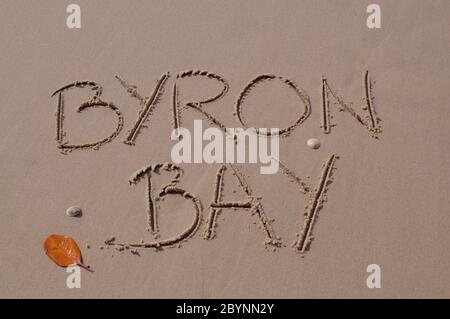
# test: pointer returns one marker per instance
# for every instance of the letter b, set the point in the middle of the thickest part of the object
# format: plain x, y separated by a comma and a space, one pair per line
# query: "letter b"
230, 308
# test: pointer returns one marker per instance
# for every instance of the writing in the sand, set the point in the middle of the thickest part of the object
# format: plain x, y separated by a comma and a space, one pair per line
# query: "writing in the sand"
251, 202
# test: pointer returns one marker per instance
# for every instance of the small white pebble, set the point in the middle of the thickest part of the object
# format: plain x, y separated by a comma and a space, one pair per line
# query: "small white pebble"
313, 143
73, 211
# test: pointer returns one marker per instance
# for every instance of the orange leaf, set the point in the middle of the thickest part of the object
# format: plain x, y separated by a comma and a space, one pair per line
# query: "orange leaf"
64, 251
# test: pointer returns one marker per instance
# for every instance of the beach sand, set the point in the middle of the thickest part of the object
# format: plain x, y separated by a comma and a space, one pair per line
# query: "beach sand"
388, 203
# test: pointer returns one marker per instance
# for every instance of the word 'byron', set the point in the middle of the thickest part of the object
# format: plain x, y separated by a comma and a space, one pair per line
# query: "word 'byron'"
147, 104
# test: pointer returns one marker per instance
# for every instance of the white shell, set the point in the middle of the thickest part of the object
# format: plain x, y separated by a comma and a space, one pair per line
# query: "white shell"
313, 143
73, 211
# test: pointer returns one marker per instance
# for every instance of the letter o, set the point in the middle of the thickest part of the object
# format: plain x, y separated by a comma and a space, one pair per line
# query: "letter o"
265, 77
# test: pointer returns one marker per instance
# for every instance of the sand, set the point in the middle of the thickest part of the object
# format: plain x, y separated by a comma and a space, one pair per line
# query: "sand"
142, 67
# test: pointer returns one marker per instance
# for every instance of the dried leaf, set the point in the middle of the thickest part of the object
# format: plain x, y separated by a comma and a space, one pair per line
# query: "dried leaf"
64, 251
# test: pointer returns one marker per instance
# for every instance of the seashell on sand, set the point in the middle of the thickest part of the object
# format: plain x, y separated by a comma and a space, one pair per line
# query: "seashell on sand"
313, 143
74, 211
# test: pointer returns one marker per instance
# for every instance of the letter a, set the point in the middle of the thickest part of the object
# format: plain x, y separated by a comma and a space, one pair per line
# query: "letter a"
374, 18
74, 279
374, 279
74, 19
